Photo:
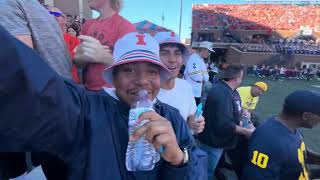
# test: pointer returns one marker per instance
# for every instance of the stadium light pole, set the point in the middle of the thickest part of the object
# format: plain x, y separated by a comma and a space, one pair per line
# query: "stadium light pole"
180, 18
81, 10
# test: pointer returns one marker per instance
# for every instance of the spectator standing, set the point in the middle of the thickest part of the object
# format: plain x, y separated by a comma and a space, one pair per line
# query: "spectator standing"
178, 93
222, 115
196, 71
74, 30
250, 95
69, 19
108, 28
175, 91
249, 98
90, 130
282, 72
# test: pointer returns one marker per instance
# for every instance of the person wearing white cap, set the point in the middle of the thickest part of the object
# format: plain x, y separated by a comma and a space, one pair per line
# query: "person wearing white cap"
196, 71
89, 130
175, 91
178, 93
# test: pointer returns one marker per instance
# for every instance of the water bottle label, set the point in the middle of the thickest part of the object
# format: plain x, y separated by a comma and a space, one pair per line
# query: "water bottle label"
135, 113
245, 121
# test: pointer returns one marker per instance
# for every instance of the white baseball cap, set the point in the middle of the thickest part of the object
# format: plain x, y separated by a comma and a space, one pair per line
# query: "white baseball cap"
206, 44
136, 47
172, 37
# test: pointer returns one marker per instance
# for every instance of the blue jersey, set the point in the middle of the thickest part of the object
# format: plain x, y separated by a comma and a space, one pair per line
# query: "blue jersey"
276, 153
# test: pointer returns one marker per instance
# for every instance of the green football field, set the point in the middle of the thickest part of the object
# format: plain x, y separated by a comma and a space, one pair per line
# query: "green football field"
271, 102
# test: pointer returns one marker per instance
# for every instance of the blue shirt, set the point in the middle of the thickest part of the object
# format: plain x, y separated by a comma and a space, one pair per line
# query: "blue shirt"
275, 153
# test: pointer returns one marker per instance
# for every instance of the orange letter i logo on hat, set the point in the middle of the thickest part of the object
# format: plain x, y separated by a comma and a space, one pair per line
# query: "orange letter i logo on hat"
141, 39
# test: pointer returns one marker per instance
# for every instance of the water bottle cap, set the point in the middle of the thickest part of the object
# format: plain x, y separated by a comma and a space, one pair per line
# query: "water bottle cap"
143, 93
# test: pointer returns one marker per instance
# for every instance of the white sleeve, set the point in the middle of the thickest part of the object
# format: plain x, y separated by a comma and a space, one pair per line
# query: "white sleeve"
193, 70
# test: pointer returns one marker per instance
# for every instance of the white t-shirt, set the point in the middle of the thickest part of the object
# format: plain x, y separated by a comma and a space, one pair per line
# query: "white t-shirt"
180, 97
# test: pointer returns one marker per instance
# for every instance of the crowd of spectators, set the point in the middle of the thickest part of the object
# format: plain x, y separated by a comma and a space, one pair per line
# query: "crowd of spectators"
289, 46
74, 23
255, 17
221, 39
280, 72
297, 46
256, 48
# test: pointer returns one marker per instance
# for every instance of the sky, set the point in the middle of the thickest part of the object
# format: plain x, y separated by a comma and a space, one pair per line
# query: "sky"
152, 10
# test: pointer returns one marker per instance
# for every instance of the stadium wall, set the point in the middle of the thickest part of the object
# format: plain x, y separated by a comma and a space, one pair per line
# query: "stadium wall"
298, 58
278, 34
235, 56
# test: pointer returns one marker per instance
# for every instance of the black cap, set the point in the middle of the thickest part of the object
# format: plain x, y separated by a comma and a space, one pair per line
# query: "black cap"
302, 101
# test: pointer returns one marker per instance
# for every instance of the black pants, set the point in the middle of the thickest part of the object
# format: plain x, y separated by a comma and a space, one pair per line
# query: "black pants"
14, 164
198, 100
239, 155
53, 167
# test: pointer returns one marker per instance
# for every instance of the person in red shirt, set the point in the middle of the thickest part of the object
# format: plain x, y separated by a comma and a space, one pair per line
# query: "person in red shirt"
71, 42
108, 28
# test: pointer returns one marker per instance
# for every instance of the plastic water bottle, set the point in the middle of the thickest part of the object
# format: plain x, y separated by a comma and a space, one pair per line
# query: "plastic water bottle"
245, 120
140, 155
197, 115
198, 112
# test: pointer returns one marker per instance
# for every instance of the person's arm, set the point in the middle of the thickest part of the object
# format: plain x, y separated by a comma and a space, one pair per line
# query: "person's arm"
39, 110
14, 20
222, 115
224, 119
313, 157
245, 131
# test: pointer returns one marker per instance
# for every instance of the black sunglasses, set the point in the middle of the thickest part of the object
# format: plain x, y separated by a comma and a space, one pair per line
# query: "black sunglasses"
56, 14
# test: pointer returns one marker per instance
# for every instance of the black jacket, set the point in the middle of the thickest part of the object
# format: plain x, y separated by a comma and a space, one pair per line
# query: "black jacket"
222, 114
40, 111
